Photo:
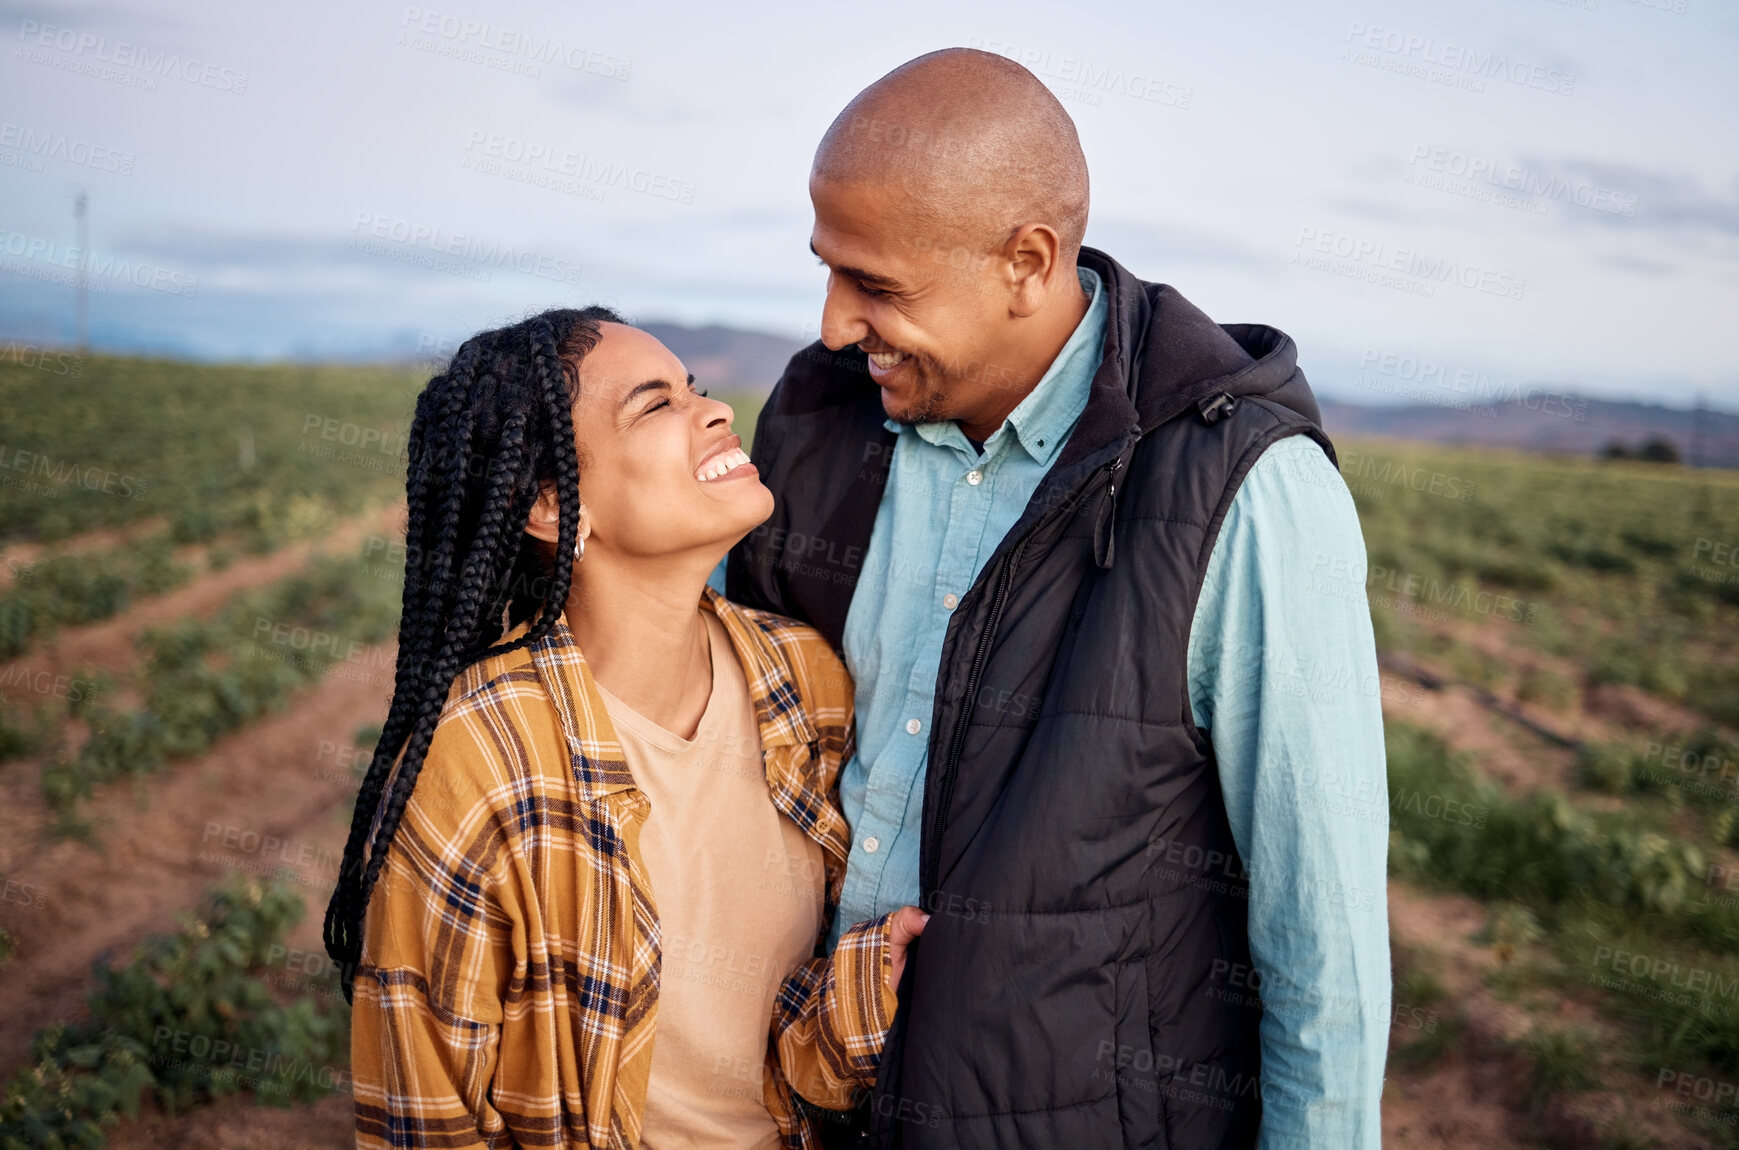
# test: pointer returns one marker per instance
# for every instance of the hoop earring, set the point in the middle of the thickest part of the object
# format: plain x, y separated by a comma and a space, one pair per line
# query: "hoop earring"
580, 549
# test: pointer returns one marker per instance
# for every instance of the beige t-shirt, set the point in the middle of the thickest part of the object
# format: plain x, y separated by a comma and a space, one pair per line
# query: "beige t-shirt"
739, 890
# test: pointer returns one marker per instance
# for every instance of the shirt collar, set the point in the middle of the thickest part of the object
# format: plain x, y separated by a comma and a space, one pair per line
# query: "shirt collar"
1042, 421
780, 714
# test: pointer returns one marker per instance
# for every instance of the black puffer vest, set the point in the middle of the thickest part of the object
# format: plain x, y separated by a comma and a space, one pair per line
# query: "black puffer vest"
1082, 981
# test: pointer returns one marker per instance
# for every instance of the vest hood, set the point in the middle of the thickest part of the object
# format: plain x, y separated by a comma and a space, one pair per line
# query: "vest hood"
1163, 355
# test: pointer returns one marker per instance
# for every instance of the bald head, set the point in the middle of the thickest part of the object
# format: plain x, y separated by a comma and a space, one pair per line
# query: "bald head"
973, 143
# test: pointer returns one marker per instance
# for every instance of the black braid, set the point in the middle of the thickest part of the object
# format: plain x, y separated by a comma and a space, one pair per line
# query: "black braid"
490, 434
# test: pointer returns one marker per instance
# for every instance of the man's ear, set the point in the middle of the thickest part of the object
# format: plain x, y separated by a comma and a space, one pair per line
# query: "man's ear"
1033, 255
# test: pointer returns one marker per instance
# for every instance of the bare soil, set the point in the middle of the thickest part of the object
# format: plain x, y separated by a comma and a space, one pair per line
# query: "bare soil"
160, 843
107, 645
275, 794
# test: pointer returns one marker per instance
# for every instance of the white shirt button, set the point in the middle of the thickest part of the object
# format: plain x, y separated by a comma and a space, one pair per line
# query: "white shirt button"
872, 844
950, 601
975, 477
913, 726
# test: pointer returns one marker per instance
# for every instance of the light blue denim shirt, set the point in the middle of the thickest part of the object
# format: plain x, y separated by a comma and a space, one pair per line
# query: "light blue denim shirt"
1283, 676
945, 508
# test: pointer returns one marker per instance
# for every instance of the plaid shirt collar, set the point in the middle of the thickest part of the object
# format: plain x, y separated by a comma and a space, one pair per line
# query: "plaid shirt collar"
585, 724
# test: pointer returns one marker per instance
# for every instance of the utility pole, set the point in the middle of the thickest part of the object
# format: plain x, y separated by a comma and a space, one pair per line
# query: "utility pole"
1699, 427
83, 318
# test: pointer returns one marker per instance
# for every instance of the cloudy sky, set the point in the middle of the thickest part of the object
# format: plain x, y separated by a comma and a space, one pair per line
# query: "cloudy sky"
1460, 195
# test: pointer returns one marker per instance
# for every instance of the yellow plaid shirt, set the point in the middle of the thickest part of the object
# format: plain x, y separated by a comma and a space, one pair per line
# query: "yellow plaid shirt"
508, 989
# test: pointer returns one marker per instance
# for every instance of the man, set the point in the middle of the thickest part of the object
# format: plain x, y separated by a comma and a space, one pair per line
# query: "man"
1100, 586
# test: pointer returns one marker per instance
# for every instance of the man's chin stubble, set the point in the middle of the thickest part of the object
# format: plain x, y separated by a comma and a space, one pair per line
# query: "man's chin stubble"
927, 407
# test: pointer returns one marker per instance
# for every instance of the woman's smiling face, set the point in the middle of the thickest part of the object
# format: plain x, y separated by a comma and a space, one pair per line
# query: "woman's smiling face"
660, 470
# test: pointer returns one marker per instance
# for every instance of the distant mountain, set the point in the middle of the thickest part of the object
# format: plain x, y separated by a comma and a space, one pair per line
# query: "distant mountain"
1541, 419
726, 359
1548, 421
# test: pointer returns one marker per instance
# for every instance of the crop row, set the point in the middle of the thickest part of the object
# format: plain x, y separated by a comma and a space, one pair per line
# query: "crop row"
190, 1017
1630, 570
201, 679
1633, 910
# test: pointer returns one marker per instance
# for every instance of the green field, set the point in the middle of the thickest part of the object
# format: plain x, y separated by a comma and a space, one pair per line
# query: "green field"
209, 449
1558, 642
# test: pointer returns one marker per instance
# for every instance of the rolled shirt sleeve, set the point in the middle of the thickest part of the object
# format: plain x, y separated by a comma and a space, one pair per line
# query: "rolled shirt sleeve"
1283, 677
830, 1023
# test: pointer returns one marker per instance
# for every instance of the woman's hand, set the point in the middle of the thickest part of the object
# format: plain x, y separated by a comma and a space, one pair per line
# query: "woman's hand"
907, 923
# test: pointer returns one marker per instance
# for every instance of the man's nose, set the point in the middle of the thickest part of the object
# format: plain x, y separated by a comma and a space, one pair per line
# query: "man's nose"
841, 326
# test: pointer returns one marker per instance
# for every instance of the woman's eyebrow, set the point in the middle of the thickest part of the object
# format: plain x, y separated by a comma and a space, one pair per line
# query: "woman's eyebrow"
649, 385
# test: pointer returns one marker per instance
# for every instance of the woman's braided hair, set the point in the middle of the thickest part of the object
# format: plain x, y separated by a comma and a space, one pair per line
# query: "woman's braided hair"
490, 434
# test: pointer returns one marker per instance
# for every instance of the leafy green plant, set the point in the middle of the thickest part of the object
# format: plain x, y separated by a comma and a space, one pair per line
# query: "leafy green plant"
1546, 687
1538, 849
1607, 767
70, 589
1431, 1044
204, 679
21, 733
1561, 1065
187, 1019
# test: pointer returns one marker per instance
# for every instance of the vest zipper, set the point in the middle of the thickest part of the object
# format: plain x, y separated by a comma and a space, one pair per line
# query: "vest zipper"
957, 744
945, 789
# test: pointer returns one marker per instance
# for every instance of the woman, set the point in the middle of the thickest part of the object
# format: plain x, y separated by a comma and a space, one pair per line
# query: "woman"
599, 838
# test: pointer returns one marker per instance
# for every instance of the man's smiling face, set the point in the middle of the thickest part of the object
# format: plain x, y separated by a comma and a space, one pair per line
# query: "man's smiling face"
928, 308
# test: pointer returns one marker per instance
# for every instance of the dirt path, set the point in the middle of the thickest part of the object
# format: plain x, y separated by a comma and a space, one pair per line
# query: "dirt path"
276, 793
1475, 1093
1600, 713
236, 1122
1505, 752
108, 644
16, 556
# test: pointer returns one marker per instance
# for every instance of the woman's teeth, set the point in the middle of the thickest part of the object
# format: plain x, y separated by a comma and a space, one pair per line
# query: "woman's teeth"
886, 359
719, 464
